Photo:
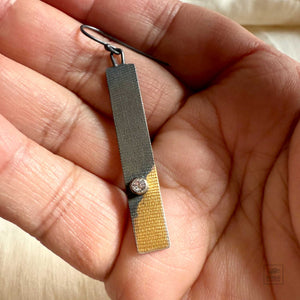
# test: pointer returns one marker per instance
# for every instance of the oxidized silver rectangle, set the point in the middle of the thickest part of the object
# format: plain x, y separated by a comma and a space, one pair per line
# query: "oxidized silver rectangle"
147, 213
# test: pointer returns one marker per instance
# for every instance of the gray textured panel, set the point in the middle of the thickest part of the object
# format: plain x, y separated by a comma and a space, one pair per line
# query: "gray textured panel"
130, 122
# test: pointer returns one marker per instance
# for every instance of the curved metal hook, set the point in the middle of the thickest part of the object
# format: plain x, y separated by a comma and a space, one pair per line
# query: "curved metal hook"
108, 47
111, 48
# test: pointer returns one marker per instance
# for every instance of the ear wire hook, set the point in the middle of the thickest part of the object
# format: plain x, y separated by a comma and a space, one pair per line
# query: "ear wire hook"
112, 49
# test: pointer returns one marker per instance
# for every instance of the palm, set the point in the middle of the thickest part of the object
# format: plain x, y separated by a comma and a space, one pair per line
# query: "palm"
224, 155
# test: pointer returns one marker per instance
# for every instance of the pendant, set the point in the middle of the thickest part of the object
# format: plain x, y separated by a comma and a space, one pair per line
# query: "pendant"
139, 171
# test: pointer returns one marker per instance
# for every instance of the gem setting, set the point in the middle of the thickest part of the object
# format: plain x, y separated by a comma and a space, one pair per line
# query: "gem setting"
138, 186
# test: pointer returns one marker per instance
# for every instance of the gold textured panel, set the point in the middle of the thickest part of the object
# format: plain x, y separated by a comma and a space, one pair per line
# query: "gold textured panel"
150, 225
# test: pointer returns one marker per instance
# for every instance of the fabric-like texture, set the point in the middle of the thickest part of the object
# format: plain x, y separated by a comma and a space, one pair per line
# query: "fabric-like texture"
277, 22
284, 38
30, 271
256, 12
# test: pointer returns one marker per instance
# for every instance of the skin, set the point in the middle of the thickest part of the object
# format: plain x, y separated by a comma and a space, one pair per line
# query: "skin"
224, 121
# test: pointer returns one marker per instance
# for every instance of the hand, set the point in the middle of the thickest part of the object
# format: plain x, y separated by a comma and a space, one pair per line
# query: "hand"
224, 122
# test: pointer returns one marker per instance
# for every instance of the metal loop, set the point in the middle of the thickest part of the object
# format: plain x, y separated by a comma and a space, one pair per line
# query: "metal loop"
113, 49
118, 52
108, 47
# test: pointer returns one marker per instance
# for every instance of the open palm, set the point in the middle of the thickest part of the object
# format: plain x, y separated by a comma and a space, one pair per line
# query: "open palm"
223, 119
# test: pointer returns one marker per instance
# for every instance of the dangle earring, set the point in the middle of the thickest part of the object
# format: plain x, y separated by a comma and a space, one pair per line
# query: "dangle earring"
140, 176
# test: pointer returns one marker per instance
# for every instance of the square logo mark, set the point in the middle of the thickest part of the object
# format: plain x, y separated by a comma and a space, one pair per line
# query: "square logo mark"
273, 274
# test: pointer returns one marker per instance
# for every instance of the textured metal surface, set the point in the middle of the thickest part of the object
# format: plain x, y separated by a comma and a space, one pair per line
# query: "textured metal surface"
146, 211
148, 218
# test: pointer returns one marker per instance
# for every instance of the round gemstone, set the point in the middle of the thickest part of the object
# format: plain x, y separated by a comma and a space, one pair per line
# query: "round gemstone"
139, 186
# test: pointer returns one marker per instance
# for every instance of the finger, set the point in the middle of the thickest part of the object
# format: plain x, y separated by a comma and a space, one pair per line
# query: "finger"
197, 43
75, 214
55, 118
50, 42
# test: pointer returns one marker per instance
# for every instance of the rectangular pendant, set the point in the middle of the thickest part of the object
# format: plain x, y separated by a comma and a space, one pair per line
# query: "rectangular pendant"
146, 210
